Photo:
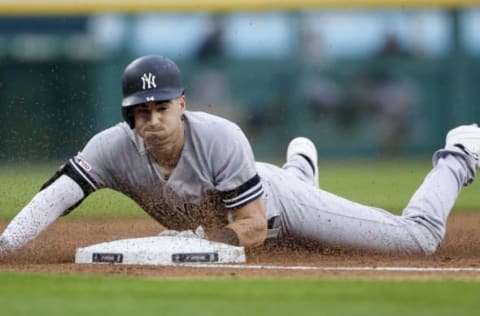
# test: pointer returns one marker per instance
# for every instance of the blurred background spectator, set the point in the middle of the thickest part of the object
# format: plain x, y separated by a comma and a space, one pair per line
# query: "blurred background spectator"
212, 46
392, 48
358, 82
389, 102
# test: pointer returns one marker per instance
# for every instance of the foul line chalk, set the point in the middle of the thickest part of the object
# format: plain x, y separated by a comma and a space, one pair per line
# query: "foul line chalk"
347, 269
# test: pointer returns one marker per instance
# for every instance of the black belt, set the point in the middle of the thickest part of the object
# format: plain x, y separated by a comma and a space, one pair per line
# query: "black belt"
273, 227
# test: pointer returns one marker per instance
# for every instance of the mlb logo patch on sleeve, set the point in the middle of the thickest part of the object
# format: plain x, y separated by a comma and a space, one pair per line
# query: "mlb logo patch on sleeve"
85, 165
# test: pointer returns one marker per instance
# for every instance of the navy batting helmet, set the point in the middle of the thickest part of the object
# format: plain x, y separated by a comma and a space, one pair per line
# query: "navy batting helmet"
149, 78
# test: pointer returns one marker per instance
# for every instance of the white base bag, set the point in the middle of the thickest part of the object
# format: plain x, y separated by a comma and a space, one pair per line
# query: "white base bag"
161, 250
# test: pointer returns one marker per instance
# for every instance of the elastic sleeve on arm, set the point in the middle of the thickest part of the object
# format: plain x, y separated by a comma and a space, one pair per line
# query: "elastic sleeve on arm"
45, 207
75, 172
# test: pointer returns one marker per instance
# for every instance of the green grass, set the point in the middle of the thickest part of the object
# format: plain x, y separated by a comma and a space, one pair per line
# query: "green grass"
387, 184
87, 295
19, 183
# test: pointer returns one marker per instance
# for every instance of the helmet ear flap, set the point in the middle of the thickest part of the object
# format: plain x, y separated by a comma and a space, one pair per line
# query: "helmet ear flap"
128, 116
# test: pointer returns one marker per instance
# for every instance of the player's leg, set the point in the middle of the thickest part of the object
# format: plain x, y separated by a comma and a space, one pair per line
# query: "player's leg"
328, 218
455, 167
333, 220
302, 160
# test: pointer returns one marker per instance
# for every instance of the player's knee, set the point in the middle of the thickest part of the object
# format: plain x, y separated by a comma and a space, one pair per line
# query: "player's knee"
428, 243
430, 248
415, 248
427, 234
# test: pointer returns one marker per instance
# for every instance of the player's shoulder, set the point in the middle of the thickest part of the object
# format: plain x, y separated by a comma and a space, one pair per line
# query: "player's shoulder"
213, 134
212, 125
114, 136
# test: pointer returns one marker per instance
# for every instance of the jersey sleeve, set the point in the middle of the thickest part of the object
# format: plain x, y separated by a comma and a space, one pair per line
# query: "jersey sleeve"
89, 168
235, 172
72, 169
94, 163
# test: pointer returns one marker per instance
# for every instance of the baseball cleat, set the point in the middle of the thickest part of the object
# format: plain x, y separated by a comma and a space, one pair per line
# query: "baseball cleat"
466, 137
305, 147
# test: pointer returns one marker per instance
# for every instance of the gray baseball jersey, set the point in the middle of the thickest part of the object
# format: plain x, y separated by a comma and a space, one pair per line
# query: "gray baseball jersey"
217, 173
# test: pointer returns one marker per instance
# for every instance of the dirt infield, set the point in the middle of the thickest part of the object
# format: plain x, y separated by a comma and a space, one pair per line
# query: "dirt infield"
54, 250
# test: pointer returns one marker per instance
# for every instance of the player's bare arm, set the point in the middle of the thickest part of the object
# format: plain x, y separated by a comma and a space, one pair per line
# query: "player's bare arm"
249, 228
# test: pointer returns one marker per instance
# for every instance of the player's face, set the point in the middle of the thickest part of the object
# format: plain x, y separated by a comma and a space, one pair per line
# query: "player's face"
160, 123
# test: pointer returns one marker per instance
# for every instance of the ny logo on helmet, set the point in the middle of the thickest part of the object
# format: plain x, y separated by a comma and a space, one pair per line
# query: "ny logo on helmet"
148, 81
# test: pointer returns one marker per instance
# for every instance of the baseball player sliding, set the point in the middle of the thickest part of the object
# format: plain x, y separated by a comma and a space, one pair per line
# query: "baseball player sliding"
187, 169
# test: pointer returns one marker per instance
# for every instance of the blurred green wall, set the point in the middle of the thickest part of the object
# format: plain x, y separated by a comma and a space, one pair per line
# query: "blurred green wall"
47, 108
50, 109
